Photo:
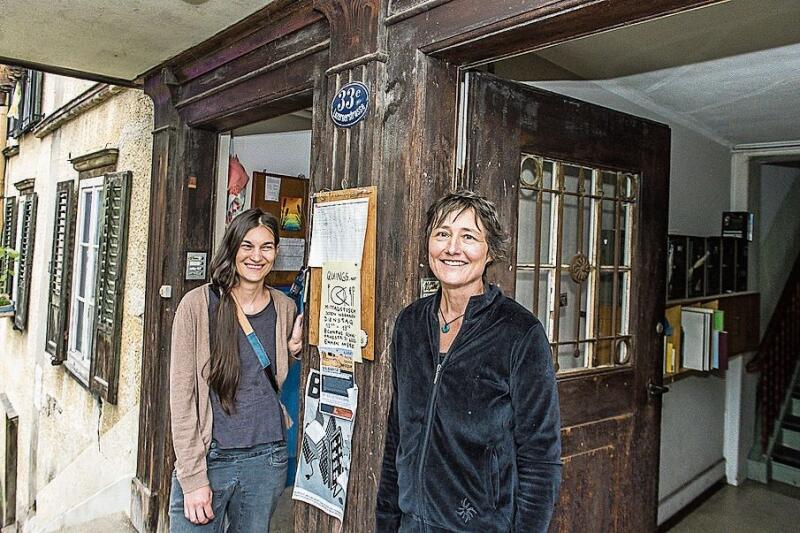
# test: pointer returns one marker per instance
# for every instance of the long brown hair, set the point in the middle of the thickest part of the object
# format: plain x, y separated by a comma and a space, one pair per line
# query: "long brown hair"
224, 376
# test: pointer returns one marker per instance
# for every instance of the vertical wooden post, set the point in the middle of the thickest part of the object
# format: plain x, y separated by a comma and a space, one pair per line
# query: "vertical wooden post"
404, 147
181, 220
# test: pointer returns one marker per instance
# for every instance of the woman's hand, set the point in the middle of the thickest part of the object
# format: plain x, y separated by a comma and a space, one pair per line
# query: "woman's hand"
197, 505
296, 340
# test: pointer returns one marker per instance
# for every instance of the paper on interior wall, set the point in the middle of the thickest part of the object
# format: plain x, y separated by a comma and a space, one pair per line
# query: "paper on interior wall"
323, 467
338, 230
272, 189
290, 255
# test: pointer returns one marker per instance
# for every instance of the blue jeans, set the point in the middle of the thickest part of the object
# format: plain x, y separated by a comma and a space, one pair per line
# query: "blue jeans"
245, 484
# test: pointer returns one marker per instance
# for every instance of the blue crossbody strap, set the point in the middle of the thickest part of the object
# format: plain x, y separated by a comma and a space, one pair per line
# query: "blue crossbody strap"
255, 343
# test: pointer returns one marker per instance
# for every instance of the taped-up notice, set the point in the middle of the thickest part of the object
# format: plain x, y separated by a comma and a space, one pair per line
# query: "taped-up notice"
340, 308
323, 468
338, 230
338, 385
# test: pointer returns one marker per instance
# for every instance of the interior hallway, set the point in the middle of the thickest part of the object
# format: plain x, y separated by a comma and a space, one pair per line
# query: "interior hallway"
751, 507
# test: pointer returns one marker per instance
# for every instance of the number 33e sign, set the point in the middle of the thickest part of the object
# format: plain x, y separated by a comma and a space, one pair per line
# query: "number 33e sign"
350, 104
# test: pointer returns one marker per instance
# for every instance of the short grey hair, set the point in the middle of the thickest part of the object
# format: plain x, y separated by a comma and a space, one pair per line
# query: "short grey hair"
485, 211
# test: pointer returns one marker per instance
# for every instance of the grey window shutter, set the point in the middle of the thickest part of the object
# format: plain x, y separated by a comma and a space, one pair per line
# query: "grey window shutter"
104, 369
27, 221
60, 271
9, 239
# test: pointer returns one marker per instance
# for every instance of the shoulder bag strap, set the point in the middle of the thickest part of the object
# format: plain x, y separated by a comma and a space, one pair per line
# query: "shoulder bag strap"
255, 343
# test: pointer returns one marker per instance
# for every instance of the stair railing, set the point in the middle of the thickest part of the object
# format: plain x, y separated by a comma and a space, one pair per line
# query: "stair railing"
778, 354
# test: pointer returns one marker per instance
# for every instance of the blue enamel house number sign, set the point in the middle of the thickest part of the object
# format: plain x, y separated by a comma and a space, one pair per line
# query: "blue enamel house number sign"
350, 105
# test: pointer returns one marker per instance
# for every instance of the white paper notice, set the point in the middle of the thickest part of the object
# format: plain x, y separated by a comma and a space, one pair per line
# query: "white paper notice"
290, 255
272, 189
340, 307
338, 230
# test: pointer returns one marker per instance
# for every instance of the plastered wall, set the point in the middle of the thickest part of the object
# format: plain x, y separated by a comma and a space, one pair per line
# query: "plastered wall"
71, 444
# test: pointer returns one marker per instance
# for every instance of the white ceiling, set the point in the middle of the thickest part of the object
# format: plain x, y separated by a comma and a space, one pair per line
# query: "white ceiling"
118, 39
731, 71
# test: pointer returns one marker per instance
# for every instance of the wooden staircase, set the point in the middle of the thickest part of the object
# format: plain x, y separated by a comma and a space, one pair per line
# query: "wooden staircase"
779, 388
785, 453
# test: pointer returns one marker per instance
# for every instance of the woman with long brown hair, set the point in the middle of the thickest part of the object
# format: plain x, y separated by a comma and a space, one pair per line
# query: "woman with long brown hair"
230, 345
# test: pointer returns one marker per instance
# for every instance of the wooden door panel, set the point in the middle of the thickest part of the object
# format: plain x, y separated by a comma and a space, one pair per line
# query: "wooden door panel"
611, 394
595, 480
609, 483
575, 511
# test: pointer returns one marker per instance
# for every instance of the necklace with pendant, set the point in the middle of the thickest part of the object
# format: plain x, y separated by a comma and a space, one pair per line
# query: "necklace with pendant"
446, 326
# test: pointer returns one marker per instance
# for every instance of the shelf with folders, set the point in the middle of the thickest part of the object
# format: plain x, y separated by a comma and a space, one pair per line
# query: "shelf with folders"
705, 266
702, 334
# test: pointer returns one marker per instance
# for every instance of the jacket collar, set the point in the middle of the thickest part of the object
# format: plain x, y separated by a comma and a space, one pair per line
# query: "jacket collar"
476, 310
476, 305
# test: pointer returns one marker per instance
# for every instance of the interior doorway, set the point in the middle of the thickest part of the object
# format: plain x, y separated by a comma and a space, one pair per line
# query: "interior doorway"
275, 157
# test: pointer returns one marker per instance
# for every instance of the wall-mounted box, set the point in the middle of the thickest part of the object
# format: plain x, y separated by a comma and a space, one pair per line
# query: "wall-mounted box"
737, 224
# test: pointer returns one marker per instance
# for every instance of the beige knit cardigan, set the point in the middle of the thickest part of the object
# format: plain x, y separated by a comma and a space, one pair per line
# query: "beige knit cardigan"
190, 405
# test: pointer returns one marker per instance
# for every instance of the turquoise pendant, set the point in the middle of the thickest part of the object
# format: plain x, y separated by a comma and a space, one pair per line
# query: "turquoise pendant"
445, 328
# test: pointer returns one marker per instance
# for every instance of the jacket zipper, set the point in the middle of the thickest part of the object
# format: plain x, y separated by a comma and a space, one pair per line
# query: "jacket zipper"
426, 438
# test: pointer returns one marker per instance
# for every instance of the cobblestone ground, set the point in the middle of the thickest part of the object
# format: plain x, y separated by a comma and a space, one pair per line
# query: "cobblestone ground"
282, 521
116, 523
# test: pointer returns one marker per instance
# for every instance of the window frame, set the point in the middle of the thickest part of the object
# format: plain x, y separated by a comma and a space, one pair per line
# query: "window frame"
30, 104
79, 362
9, 240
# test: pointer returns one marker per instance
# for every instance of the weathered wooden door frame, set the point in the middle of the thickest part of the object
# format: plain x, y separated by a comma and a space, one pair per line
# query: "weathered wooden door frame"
197, 95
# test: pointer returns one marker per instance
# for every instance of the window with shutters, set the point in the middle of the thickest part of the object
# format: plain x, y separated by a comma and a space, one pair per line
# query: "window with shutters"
82, 305
60, 259
26, 221
97, 275
26, 103
8, 240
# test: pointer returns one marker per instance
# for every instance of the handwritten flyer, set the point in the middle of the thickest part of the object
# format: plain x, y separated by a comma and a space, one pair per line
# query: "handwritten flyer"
340, 309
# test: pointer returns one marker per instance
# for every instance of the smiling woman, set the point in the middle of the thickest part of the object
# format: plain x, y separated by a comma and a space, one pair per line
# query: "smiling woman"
474, 422
230, 345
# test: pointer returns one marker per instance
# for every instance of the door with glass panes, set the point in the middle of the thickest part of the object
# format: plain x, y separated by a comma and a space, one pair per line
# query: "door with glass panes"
583, 191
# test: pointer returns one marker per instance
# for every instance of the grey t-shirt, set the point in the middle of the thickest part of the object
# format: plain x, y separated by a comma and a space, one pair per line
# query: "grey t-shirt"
257, 417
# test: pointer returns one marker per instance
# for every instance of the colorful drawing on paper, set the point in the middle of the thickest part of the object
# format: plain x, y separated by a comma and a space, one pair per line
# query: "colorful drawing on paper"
292, 214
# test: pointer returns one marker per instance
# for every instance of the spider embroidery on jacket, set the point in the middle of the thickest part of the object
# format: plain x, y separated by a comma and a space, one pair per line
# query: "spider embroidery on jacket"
466, 511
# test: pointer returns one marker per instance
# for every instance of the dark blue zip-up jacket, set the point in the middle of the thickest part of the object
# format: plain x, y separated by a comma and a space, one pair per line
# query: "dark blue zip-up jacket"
474, 445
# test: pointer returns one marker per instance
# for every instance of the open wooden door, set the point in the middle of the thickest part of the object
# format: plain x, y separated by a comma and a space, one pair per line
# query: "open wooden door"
583, 191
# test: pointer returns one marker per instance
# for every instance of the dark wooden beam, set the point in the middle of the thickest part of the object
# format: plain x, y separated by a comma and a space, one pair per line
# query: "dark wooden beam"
274, 20
408, 154
474, 31
181, 220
